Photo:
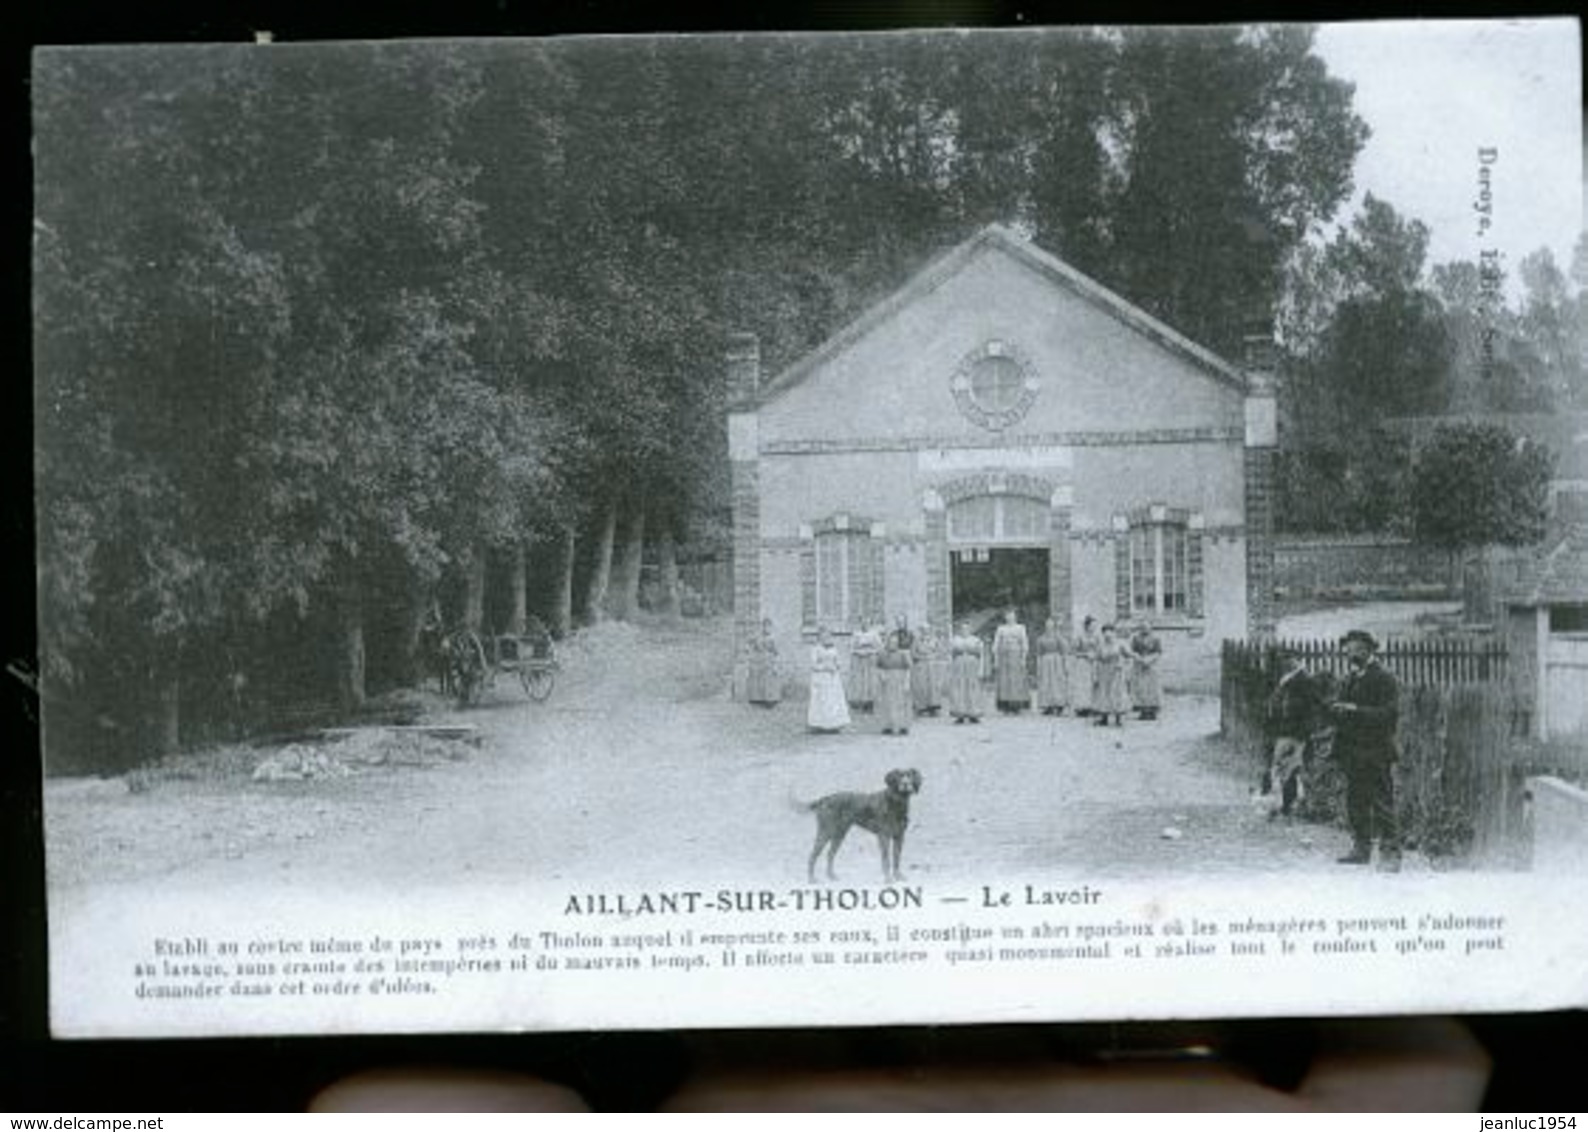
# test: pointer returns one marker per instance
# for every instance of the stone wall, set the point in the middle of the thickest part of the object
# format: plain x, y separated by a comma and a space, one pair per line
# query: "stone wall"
1361, 566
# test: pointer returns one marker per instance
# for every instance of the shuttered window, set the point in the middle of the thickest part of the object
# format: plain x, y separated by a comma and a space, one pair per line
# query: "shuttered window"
1158, 565
847, 580
1159, 569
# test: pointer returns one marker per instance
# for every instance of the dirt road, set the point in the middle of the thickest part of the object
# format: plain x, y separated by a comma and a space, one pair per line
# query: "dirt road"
640, 770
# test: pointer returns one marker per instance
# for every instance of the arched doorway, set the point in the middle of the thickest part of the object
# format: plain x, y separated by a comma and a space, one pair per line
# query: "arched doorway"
1005, 511
999, 551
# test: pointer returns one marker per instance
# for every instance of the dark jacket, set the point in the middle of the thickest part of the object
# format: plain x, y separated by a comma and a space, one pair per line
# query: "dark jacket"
896, 653
1369, 731
1293, 707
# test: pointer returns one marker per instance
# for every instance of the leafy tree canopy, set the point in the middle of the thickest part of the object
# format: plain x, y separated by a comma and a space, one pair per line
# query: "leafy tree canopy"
1474, 485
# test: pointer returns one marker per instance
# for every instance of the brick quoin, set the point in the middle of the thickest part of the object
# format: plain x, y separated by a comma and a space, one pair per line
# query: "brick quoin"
746, 475
1059, 594
1259, 469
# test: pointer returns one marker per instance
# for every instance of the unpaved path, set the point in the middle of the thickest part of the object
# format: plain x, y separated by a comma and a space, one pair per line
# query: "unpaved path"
639, 770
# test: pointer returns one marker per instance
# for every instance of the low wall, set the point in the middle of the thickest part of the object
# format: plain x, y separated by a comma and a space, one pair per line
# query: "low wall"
1560, 824
1362, 566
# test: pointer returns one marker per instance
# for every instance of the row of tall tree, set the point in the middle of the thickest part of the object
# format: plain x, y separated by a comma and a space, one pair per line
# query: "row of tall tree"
1370, 331
325, 335
1458, 485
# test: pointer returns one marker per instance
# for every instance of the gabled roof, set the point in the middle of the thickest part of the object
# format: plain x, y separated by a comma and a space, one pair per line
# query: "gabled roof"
999, 238
1557, 576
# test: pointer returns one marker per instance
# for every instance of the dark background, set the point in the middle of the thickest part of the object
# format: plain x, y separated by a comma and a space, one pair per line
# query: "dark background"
1538, 1057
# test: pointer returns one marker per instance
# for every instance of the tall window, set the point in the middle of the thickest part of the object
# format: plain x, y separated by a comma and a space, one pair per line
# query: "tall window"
1159, 569
842, 576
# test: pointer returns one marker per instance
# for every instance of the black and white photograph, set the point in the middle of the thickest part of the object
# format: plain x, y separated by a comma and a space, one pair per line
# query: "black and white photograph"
735, 529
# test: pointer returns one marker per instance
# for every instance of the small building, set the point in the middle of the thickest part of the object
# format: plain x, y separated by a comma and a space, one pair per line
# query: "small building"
1003, 431
1546, 629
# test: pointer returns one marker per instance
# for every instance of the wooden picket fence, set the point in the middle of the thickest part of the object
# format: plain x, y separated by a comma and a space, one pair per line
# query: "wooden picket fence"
1417, 663
1459, 778
1249, 669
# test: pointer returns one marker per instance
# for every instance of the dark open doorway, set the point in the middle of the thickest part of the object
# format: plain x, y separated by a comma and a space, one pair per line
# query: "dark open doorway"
984, 581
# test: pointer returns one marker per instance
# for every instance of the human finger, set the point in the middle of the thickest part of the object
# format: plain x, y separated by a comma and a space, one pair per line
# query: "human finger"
443, 1089
1209, 1086
1396, 1065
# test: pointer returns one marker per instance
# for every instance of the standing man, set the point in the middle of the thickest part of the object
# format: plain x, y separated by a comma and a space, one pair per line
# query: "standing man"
1365, 715
1292, 716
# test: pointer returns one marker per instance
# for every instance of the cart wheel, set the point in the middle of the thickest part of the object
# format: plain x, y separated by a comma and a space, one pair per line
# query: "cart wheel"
468, 682
470, 673
538, 682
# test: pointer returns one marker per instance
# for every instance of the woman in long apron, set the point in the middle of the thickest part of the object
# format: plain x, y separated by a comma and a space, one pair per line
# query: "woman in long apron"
1112, 699
964, 679
925, 694
893, 678
1145, 692
829, 709
764, 687
1010, 650
1083, 687
942, 664
863, 652
1053, 676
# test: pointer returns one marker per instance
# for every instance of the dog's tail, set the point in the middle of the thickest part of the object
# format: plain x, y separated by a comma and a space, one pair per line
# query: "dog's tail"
798, 806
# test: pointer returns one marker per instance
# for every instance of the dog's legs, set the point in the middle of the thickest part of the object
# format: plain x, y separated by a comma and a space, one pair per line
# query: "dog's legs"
898, 852
816, 852
832, 851
885, 844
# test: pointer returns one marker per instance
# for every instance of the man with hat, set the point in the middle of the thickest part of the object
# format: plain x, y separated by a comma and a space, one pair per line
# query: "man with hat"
1365, 714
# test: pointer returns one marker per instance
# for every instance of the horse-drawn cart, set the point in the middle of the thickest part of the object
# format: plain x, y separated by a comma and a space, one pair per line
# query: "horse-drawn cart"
473, 663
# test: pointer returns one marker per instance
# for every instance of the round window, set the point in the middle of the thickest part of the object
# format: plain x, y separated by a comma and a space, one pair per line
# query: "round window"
996, 384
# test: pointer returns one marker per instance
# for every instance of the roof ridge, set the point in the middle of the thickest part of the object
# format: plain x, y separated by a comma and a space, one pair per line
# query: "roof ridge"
939, 269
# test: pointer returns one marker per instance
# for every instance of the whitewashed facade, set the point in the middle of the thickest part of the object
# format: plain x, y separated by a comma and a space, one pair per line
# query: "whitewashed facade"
1002, 411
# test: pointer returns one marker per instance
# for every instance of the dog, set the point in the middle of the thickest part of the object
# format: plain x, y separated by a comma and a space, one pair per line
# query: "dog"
885, 813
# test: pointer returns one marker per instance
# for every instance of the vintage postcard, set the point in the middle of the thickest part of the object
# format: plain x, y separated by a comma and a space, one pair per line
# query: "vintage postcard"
707, 531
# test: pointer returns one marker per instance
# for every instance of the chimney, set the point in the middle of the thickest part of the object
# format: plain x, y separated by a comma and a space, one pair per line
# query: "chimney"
1259, 353
744, 370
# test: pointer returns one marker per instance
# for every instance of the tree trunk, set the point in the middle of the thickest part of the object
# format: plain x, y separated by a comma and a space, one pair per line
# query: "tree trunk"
601, 574
518, 619
409, 671
350, 641
562, 608
667, 552
626, 598
474, 589
166, 731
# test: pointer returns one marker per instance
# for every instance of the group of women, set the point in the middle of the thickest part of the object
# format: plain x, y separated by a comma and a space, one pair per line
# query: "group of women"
906, 674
